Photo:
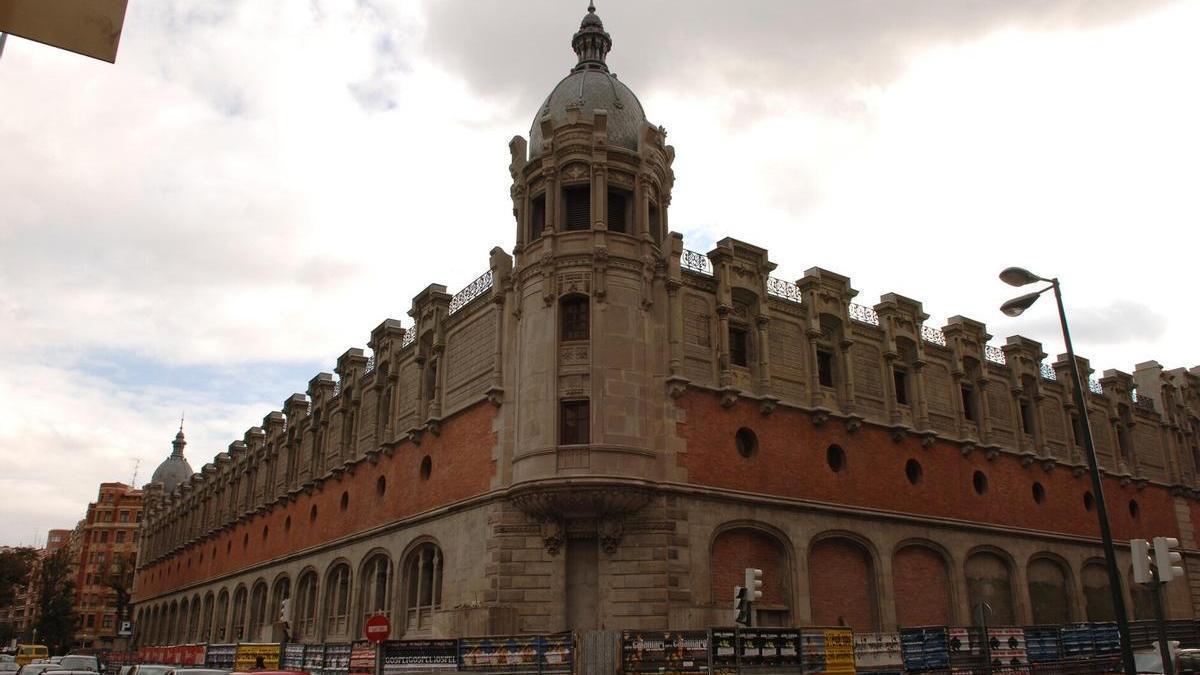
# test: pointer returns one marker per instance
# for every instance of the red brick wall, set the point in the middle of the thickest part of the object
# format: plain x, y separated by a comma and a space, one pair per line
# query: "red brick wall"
922, 587
790, 462
841, 585
734, 551
462, 468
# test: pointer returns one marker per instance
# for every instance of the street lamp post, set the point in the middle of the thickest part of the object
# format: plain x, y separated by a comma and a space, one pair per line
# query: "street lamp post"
1016, 276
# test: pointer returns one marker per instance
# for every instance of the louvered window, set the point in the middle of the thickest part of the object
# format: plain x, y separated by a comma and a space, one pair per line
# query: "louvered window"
616, 212
573, 423
579, 208
537, 217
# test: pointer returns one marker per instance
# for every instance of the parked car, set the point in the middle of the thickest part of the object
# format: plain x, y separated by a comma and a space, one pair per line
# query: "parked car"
151, 669
196, 670
30, 653
36, 668
80, 662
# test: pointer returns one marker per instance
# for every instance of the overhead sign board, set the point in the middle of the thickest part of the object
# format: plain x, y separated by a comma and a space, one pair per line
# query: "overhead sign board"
88, 27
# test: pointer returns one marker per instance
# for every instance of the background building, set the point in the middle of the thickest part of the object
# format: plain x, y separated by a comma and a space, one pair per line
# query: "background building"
105, 561
605, 428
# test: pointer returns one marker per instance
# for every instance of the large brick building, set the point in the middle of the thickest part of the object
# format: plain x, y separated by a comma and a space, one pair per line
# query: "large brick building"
605, 428
105, 560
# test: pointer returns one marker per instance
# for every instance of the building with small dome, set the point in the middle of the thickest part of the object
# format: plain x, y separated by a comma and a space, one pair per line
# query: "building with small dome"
605, 428
175, 469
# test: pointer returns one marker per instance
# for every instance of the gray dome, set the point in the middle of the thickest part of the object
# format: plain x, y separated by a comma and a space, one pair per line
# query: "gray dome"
591, 87
590, 90
175, 469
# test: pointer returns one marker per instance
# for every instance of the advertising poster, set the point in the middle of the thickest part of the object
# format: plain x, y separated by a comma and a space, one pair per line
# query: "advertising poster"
337, 659
249, 653
293, 657
769, 647
191, 655
664, 651
499, 654
220, 657
400, 656
314, 658
362, 658
557, 653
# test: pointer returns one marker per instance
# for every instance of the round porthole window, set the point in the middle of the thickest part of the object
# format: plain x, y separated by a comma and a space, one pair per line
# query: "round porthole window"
912, 471
835, 457
979, 482
746, 441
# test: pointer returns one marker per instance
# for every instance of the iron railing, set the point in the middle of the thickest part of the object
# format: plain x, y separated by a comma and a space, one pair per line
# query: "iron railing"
863, 314
696, 262
782, 288
933, 335
473, 290
994, 354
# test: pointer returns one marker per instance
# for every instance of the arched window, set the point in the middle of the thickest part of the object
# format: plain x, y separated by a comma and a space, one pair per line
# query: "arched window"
574, 318
1049, 598
423, 586
152, 629
736, 549
205, 633
180, 634
193, 634
841, 574
1097, 597
376, 587
280, 593
304, 614
222, 617
238, 627
922, 587
989, 580
258, 611
337, 601
172, 624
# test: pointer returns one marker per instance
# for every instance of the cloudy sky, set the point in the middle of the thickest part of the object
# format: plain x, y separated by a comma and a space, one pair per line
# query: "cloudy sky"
256, 184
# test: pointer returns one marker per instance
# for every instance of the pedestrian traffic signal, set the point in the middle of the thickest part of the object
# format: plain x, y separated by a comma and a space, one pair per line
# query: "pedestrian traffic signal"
1140, 550
741, 606
1168, 562
753, 584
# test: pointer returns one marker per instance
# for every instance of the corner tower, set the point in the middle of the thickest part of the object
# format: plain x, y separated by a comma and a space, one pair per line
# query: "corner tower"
590, 289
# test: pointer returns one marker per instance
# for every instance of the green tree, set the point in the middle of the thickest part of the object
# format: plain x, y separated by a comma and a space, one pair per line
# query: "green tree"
15, 564
120, 580
55, 600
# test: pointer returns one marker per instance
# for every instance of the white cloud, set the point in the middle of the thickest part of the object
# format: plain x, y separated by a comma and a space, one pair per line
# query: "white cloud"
266, 181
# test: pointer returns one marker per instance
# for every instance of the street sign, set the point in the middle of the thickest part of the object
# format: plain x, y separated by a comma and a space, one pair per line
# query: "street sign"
377, 628
88, 27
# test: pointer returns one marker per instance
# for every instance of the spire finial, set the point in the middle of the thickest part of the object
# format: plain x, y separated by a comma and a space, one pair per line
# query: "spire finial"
181, 421
179, 442
591, 43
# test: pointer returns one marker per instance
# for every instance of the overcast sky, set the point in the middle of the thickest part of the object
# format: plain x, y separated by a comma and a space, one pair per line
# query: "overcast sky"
255, 185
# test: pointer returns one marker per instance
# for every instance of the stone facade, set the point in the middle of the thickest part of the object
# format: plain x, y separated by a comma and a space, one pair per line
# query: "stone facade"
605, 427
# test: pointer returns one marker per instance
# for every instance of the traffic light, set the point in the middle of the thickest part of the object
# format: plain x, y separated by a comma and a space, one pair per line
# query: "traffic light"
1168, 562
741, 606
1140, 550
753, 584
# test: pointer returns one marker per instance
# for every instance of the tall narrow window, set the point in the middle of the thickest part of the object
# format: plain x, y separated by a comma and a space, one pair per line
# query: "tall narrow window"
968, 402
221, 617
900, 381
239, 614
579, 208
616, 212
653, 225
537, 217
1026, 416
1077, 429
337, 601
423, 587
573, 423
825, 367
574, 318
376, 587
738, 346
305, 613
258, 612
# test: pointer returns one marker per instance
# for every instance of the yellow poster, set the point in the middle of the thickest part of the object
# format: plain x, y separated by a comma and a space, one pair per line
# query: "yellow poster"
249, 654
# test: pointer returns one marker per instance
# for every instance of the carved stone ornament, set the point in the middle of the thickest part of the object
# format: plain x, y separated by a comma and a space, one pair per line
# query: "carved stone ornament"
992, 454
820, 416
928, 438
611, 532
768, 405
1027, 459
966, 448
495, 396
729, 396
1048, 465
1079, 470
676, 386
553, 535
853, 422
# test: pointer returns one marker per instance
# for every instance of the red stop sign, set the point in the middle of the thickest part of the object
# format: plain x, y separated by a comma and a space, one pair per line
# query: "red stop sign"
378, 628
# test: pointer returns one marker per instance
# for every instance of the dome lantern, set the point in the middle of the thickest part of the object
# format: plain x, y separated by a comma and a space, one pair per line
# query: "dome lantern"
592, 43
